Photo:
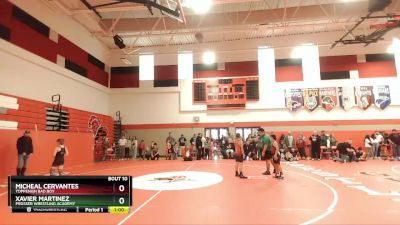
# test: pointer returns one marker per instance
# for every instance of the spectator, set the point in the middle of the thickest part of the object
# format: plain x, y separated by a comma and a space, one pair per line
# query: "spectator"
332, 142
142, 148
25, 150
193, 143
361, 155
154, 152
375, 146
168, 150
324, 140
301, 146
368, 146
121, 147
170, 138
128, 148
199, 146
203, 145
386, 147
290, 145
147, 152
346, 151
134, 147
394, 138
182, 145
106, 146
315, 146
207, 148
379, 136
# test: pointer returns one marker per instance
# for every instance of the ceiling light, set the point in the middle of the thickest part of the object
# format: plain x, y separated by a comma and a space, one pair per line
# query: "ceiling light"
209, 57
199, 7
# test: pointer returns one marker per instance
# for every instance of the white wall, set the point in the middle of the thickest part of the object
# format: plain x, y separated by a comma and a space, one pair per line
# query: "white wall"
26, 75
67, 27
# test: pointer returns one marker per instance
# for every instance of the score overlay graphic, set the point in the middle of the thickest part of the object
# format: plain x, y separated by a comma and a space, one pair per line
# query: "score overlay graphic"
75, 194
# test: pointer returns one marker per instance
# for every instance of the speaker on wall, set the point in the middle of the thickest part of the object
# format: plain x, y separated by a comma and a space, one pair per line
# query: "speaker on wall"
196, 118
118, 41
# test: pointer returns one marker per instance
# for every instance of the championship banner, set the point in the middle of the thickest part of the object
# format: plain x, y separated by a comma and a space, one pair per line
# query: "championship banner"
311, 98
346, 97
364, 96
294, 99
328, 98
382, 96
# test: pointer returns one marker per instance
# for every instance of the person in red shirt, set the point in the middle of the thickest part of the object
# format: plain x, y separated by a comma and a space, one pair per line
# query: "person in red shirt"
142, 147
301, 146
239, 157
168, 150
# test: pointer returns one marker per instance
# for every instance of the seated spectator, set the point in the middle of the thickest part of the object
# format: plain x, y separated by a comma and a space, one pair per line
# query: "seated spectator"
360, 154
346, 151
147, 153
229, 151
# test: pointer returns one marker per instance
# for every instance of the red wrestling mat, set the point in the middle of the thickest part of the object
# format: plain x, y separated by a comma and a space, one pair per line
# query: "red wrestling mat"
313, 192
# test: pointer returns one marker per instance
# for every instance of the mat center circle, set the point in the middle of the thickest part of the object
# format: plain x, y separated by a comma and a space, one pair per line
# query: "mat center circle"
176, 180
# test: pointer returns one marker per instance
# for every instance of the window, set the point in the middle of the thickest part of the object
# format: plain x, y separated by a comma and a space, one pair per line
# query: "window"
245, 131
146, 67
185, 65
216, 133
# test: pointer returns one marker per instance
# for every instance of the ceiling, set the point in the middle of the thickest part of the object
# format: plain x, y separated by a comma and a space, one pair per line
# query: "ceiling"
227, 20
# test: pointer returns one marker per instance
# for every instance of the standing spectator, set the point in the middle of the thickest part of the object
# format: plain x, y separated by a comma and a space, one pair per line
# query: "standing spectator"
386, 147
332, 143
128, 148
315, 146
394, 138
203, 145
379, 136
375, 145
25, 150
182, 145
193, 143
154, 152
199, 146
301, 145
170, 138
134, 147
207, 148
168, 150
368, 146
289, 141
59, 153
121, 147
290, 144
324, 139
106, 146
142, 148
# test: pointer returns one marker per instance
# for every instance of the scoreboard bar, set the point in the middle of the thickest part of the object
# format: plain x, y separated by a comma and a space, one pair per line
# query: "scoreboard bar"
70, 194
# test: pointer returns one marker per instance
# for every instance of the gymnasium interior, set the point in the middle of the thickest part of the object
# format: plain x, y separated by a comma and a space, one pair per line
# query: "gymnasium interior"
112, 77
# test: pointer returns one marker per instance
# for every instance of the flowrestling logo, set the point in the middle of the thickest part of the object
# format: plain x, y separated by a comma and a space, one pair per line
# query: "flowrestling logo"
176, 180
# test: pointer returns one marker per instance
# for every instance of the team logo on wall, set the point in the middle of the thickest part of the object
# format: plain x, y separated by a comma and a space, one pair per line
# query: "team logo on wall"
346, 97
311, 98
328, 98
364, 96
99, 132
382, 96
294, 99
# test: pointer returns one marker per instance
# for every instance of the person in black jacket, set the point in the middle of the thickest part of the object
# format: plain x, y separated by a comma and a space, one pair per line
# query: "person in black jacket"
25, 149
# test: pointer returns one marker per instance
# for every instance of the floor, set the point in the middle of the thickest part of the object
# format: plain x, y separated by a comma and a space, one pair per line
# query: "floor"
312, 192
